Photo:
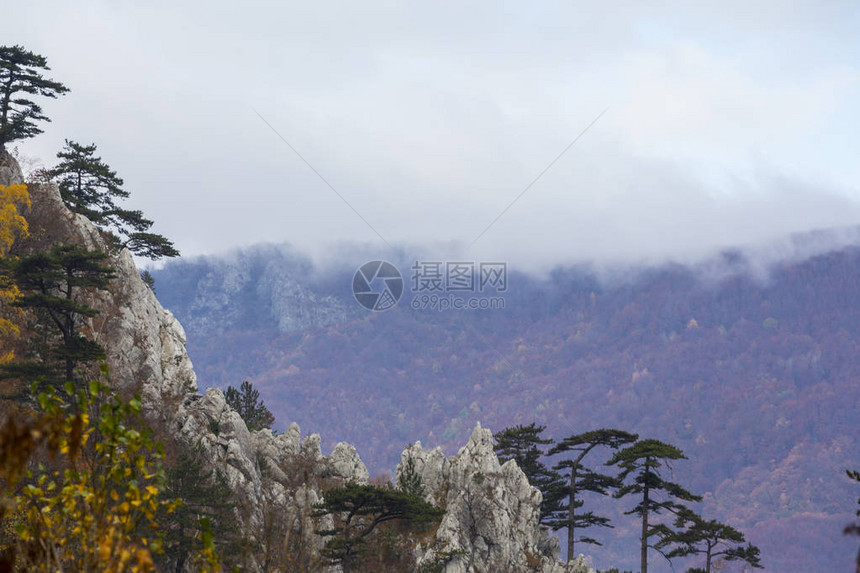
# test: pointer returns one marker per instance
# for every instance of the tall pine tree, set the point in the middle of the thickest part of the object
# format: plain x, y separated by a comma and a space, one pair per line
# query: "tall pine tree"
643, 464
89, 187
582, 479
854, 528
523, 444
51, 283
204, 494
20, 77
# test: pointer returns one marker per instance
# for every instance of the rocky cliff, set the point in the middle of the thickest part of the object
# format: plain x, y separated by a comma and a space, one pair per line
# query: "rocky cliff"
491, 520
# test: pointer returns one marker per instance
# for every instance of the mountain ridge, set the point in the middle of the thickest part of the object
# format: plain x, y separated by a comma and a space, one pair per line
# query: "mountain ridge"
753, 375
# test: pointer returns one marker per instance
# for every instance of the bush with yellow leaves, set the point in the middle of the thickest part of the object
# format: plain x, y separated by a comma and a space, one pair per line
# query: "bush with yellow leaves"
12, 227
94, 508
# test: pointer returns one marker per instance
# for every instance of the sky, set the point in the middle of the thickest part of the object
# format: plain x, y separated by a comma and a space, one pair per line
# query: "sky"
445, 128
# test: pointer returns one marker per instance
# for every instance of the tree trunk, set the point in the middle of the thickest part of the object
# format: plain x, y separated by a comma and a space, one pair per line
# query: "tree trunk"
571, 513
180, 562
68, 341
4, 107
347, 554
70, 329
643, 550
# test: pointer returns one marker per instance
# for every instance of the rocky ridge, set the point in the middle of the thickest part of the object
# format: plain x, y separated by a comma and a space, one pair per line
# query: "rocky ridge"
491, 520
248, 287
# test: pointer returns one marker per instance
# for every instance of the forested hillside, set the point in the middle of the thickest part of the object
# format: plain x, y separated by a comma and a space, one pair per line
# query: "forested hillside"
753, 376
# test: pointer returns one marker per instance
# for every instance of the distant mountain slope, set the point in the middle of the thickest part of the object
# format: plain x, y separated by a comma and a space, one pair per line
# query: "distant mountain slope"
756, 380
262, 287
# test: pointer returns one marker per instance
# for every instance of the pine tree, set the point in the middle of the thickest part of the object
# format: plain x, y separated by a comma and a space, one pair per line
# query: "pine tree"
246, 401
643, 463
854, 528
582, 479
359, 509
523, 445
695, 536
20, 76
201, 493
51, 283
410, 481
87, 185
90, 187
148, 280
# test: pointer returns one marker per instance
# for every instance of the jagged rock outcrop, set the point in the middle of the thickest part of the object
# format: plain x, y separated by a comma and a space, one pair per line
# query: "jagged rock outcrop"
10, 171
491, 521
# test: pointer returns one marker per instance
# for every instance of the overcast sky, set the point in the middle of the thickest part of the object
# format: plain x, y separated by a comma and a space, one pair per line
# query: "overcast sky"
729, 124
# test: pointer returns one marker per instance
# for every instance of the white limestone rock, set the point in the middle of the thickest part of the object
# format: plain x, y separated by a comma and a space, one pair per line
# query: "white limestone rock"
10, 171
311, 446
492, 512
348, 465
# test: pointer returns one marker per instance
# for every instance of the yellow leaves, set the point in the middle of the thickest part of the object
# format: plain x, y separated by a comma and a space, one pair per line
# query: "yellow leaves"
9, 293
12, 227
85, 514
144, 561
12, 224
105, 548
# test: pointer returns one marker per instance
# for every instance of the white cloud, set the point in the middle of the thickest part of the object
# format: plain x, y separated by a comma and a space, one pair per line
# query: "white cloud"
728, 123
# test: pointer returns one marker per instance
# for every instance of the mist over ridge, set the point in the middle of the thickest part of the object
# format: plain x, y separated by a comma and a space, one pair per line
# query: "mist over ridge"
330, 269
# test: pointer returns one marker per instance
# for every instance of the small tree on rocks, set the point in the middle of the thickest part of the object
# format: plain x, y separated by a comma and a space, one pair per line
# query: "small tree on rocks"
246, 401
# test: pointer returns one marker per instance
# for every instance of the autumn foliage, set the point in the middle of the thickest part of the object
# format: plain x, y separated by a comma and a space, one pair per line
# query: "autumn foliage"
83, 513
13, 226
